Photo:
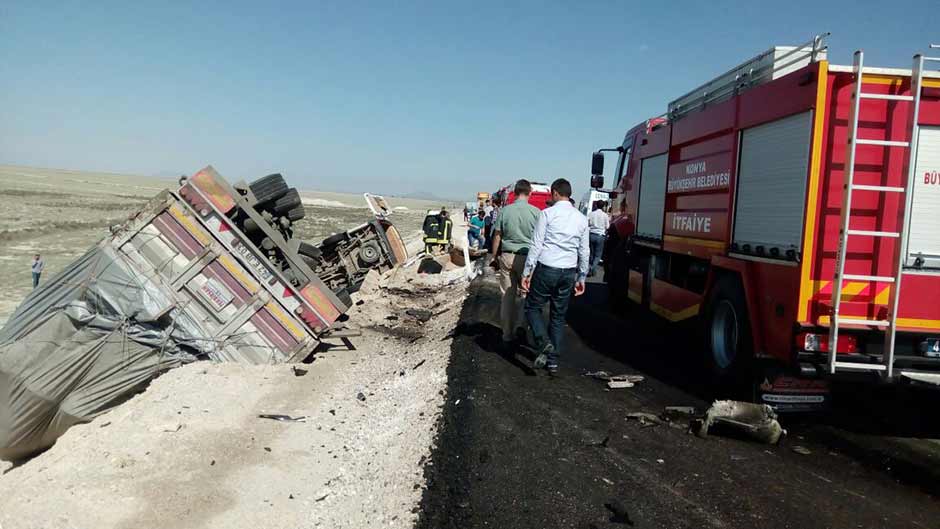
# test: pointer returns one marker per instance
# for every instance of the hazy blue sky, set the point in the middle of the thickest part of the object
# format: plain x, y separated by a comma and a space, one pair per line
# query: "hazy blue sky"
403, 97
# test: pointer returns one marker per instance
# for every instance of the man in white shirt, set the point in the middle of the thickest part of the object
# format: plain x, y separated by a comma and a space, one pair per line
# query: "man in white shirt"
556, 266
598, 222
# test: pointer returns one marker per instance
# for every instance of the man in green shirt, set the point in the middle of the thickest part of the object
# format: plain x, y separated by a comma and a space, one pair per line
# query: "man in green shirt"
512, 235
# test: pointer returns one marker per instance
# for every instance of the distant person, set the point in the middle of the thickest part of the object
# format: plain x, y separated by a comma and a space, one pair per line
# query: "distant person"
556, 266
598, 222
512, 236
488, 227
466, 214
475, 236
36, 268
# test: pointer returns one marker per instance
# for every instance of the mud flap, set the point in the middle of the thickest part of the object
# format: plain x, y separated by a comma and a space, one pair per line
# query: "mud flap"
787, 393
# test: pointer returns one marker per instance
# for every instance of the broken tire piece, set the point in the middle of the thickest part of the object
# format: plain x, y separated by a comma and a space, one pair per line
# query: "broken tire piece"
268, 188
757, 421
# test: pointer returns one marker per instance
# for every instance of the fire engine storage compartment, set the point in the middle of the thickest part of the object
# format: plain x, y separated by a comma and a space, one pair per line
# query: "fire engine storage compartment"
772, 168
652, 197
923, 249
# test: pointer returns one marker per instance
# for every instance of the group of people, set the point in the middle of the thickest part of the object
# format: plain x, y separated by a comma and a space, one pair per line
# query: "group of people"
543, 258
480, 226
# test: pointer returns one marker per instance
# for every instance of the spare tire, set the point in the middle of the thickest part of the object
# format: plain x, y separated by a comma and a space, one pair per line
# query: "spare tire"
370, 253
295, 214
288, 201
268, 188
309, 250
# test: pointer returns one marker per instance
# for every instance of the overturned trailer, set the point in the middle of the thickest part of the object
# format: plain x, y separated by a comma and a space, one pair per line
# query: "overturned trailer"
206, 270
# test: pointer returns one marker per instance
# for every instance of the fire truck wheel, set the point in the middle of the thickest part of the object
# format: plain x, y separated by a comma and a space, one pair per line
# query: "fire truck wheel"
268, 188
727, 330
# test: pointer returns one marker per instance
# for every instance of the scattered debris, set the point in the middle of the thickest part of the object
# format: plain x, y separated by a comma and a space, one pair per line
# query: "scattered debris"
802, 450
422, 315
679, 410
283, 418
607, 481
298, 372
361, 397
170, 427
619, 384
604, 375
429, 265
267, 449
645, 419
660, 461
619, 513
758, 421
106, 423
322, 495
419, 364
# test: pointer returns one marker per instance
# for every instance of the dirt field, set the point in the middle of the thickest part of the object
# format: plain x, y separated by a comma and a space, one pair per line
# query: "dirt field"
192, 450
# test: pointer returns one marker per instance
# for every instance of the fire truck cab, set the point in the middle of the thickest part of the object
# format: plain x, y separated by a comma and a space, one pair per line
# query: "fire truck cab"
792, 206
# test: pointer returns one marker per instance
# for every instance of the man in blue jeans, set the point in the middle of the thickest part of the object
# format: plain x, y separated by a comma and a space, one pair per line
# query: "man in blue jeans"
556, 266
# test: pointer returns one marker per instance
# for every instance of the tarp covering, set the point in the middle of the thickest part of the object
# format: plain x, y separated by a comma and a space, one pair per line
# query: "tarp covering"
87, 340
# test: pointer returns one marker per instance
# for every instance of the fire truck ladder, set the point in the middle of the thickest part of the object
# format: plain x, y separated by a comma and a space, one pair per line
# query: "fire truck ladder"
889, 324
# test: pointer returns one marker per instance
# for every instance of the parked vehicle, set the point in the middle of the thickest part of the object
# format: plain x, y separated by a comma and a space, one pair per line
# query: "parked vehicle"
587, 200
540, 197
791, 205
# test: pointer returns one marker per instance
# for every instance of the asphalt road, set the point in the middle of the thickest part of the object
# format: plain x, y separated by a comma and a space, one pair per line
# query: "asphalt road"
518, 449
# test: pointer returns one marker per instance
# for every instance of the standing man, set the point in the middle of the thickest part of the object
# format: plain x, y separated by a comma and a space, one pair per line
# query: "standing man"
598, 222
556, 266
512, 236
475, 231
488, 228
36, 268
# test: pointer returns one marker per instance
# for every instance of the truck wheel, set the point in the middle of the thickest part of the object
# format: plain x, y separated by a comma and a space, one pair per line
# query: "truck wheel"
728, 330
268, 188
295, 214
287, 202
333, 239
308, 250
370, 253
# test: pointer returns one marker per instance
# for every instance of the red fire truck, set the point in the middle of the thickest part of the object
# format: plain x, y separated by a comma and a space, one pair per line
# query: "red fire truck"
791, 205
539, 197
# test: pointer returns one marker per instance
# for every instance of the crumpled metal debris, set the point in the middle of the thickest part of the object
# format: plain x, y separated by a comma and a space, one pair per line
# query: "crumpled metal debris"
757, 421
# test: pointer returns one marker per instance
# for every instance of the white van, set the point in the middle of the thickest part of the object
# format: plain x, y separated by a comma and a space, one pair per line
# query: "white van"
589, 197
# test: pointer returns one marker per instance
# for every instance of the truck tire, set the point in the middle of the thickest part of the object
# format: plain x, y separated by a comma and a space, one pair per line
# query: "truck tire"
287, 202
308, 250
370, 253
268, 188
344, 297
727, 333
333, 239
295, 214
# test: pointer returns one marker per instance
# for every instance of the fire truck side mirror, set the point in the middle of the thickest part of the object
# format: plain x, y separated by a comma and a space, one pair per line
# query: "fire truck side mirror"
597, 165
597, 181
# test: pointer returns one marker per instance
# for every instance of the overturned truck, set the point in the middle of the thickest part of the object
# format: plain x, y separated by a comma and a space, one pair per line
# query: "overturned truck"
207, 270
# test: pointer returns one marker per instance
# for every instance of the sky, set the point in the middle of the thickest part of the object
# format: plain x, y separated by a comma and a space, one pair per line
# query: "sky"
447, 98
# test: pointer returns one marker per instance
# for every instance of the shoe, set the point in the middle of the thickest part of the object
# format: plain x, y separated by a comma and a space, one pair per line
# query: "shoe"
552, 369
542, 358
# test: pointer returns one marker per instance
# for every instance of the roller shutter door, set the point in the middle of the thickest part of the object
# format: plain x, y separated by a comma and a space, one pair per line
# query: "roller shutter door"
772, 170
924, 237
652, 197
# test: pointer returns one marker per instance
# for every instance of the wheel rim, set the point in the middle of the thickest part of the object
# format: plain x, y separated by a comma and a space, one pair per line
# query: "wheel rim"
370, 254
724, 335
